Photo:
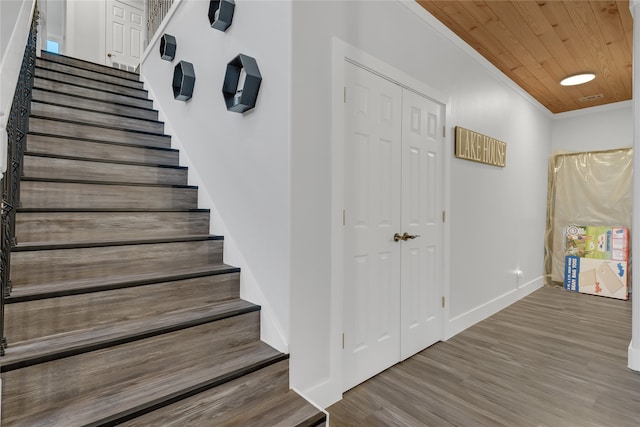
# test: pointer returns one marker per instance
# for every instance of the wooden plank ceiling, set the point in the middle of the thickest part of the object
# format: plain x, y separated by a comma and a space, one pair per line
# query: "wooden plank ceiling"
537, 43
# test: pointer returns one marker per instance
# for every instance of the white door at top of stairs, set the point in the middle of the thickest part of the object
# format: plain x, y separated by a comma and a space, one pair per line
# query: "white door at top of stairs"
393, 187
124, 36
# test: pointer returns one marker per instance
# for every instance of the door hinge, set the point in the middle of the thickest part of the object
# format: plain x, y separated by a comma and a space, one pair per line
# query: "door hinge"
443, 300
444, 131
345, 94
344, 217
444, 215
343, 341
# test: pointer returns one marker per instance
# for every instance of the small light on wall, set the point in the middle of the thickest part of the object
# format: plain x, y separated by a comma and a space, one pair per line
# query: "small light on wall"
578, 79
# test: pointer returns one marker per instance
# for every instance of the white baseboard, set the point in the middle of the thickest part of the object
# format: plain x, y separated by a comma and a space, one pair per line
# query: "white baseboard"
634, 358
460, 323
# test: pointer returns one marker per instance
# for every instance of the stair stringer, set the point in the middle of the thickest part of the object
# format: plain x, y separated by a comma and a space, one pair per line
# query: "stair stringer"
271, 332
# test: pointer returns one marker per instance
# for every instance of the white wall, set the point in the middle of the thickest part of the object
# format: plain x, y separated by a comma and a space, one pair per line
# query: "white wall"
85, 30
15, 22
241, 162
55, 25
593, 129
9, 11
496, 216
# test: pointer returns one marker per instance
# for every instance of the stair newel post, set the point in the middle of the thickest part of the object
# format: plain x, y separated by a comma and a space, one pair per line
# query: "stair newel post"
17, 128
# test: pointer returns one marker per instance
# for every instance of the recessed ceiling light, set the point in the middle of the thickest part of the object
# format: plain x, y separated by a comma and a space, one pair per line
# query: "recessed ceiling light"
578, 79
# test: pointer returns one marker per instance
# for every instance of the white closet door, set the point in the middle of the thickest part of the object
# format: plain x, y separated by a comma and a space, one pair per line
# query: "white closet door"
393, 185
372, 266
422, 140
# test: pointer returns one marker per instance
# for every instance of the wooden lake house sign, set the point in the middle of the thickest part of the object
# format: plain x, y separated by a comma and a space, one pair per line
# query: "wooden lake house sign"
477, 147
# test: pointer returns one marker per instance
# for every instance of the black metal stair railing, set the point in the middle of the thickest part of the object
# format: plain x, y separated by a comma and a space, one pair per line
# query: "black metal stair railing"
17, 128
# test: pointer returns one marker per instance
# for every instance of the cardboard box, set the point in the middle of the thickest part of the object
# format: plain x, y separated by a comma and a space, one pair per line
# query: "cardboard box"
597, 260
610, 243
596, 277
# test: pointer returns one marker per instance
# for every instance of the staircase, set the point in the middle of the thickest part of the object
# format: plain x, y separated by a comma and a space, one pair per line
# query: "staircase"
122, 310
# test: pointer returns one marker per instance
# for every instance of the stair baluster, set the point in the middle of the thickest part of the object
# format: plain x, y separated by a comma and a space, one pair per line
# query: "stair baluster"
17, 128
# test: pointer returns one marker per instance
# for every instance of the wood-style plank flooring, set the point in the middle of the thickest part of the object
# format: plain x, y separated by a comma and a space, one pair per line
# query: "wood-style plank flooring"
553, 359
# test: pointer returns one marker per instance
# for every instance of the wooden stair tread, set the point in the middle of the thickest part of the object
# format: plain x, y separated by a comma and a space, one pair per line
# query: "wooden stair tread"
106, 161
81, 63
83, 227
72, 89
91, 74
57, 167
47, 126
99, 125
52, 95
285, 410
54, 138
126, 399
94, 117
226, 404
90, 83
71, 287
26, 353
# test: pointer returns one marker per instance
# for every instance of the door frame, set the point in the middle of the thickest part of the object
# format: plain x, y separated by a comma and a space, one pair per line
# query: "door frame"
342, 52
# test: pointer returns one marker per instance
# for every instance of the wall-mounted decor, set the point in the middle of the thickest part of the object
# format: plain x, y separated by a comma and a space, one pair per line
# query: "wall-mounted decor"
241, 84
184, 78
480, 148
221, 13
168, 46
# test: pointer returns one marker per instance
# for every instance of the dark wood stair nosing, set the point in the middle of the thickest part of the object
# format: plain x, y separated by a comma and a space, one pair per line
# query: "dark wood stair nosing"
98, 160
161, 278
49, 55
109, 243
119, 104
174, 397
89, 110
80, 210
124, 339
97, 141
124, 184
117, 85
123, 129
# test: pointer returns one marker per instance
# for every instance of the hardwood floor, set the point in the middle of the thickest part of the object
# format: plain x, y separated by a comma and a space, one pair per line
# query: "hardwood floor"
553, 359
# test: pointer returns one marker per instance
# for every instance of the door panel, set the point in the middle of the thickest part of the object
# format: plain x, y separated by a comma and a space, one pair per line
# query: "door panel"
372, 267
124, 34
421, 216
